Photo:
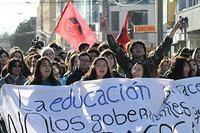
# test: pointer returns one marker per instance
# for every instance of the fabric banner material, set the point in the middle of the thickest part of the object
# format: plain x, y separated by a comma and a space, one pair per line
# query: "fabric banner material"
109, 105
73, 28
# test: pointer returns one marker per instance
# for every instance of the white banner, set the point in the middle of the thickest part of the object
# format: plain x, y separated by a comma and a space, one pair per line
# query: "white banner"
108, 105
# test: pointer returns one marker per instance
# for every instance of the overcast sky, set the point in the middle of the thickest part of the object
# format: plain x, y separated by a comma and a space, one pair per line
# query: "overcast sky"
12, 12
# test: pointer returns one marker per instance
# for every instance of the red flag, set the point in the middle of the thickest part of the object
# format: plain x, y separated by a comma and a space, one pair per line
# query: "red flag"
73, 28
123, 37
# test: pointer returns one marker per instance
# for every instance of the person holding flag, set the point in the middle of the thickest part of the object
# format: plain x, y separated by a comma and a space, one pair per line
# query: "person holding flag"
138, 51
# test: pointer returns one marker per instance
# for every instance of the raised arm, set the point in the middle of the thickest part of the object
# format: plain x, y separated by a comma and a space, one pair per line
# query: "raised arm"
121, 56
165, 45
154, 60
177, 26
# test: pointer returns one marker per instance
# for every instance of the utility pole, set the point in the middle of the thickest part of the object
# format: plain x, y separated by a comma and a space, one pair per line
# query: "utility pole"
90, 13
105, 13
159, 14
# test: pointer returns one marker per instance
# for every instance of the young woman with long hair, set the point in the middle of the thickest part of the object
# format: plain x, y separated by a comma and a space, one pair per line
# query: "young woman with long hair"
180, 68
98, 70
43, 74
140, 70
14, 75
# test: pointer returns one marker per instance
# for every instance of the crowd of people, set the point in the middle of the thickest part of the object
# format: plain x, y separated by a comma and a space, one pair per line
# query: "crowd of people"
49, 65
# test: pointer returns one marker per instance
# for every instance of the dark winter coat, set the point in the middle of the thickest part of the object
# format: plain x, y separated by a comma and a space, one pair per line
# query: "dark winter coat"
152, 61
74, 76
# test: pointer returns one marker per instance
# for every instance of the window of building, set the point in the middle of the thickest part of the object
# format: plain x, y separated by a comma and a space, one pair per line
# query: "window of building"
115, 21
95, 11
139, 17
191, 3
195, 2
182, 4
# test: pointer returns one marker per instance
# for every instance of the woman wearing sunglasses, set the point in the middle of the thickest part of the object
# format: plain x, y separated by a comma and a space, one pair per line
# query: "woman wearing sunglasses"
14, 75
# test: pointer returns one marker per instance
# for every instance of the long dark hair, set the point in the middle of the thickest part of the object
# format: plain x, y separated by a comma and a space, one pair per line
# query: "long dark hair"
91, 74
71, 63
194, 53
37, 77
108, 52
11, 64
2, 52
146, 70
26, 72
176, 68
198, 71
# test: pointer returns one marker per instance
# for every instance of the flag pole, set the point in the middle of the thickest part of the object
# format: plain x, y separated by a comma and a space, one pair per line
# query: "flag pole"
58, 22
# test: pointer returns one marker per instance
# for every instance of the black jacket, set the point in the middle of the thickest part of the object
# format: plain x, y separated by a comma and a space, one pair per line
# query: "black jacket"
76, 75
152, 61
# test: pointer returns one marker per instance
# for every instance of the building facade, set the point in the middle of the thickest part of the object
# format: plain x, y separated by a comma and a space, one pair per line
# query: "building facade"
183, 8
46, 19
142, 17
142, 14
191, 10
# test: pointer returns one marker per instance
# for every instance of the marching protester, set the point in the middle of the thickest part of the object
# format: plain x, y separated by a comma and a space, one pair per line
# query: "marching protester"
103, 46
14, 73
57, 72
179, 69
83, 64
4, 56
128, 94
49, 53
95, 45
140, 70
63, 68
194, 67
55, 47
72, 64
112, 62
162, 67
69, 54
138, 51
196, 56
33, 59
83, 47
185, 52
17, 53
43, 74
93, 52
98, 70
